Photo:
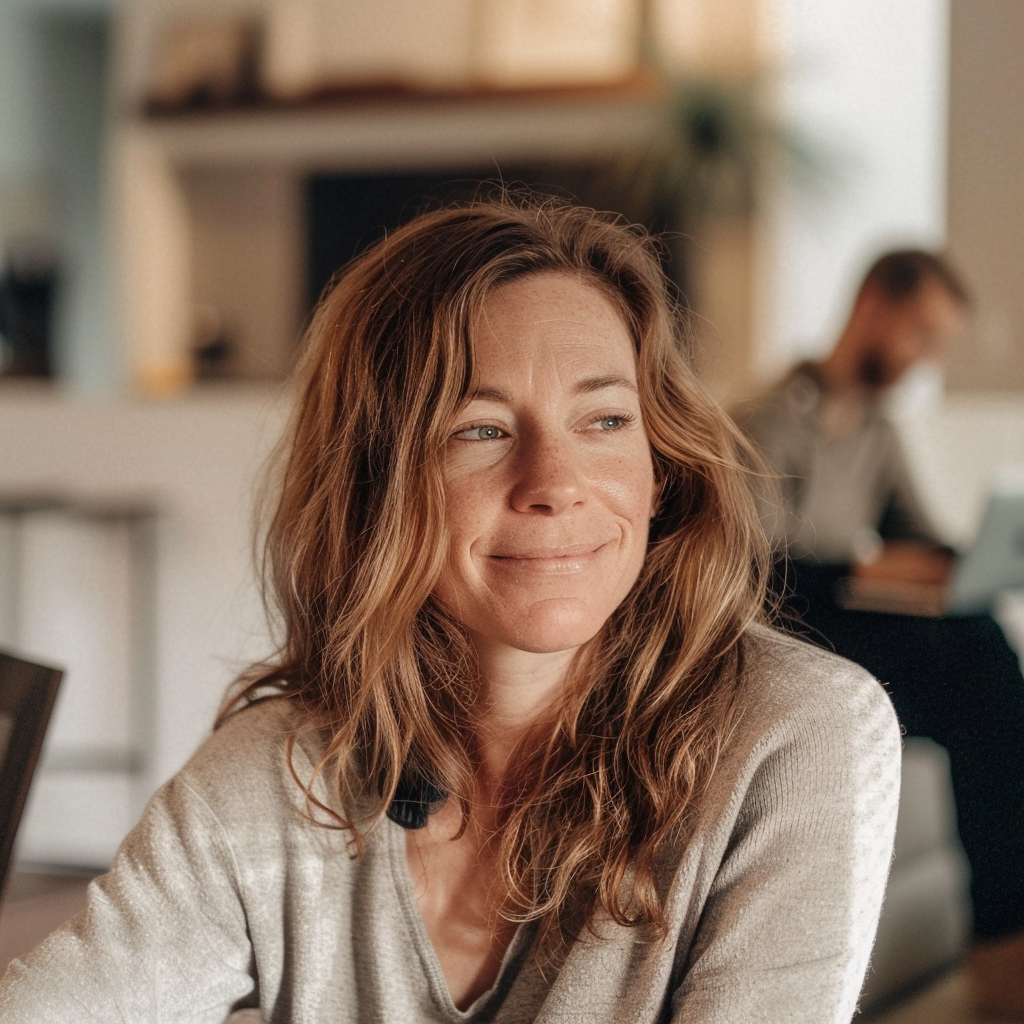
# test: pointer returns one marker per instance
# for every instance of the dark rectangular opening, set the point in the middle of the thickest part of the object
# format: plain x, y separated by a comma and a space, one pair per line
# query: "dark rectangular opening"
346, 213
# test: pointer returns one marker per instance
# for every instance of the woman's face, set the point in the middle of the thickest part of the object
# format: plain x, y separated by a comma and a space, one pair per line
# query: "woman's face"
549, 476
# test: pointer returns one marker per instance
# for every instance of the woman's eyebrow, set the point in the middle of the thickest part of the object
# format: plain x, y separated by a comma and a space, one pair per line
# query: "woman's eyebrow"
489, 395
589, 384
584, 386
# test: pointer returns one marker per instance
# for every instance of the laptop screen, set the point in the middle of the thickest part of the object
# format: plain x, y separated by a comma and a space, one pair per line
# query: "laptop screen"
996, 559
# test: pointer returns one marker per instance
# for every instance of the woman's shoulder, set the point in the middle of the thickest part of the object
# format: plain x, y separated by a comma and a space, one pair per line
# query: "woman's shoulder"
258, 750
815, 740
786, 678
250, 733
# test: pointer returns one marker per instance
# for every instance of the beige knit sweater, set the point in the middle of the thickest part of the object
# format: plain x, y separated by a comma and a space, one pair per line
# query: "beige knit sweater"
223, 896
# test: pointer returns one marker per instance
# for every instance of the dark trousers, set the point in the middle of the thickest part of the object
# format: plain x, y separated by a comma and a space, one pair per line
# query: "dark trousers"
958, 682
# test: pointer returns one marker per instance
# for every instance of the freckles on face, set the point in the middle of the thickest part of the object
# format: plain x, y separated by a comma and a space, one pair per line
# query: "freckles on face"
548, 470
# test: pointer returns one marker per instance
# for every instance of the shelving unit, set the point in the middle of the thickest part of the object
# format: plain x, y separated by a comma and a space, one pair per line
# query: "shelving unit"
210, 204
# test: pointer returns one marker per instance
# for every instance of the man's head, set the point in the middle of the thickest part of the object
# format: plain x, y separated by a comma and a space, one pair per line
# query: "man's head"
908, 309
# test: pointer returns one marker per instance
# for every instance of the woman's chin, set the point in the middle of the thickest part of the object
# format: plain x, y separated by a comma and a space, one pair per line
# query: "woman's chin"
560, 630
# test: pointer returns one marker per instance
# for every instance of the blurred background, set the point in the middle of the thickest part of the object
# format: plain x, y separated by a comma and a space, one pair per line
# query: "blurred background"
180, 178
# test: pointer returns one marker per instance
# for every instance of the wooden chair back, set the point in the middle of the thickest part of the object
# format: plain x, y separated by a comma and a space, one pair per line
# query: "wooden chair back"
27, 695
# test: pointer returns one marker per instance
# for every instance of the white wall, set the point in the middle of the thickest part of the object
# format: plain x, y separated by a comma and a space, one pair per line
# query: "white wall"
194, 459
869, 80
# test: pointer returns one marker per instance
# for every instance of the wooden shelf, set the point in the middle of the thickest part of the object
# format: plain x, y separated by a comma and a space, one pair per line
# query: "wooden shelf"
408, 131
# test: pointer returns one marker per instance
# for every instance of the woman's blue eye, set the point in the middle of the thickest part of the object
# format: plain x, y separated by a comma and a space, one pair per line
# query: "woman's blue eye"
487, 432
610, 422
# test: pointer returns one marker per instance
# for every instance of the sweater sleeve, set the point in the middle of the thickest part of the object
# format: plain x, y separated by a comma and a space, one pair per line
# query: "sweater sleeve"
163, 936
787, 929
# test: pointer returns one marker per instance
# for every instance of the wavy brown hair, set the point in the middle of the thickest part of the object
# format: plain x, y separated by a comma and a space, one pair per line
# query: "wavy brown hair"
357, 540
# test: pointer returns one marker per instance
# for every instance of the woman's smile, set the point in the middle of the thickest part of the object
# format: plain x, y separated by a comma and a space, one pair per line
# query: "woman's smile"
568, 559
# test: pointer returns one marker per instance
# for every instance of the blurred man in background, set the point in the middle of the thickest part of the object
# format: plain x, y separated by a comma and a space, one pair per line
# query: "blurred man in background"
849, 508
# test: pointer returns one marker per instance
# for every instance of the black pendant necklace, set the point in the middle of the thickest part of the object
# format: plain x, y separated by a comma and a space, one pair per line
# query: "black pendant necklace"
415, 800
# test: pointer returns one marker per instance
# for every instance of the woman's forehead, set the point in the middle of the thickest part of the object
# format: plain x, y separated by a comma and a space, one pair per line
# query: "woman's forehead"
554, 320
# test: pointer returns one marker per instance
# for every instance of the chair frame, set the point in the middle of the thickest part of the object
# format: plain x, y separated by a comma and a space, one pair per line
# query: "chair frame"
27, 694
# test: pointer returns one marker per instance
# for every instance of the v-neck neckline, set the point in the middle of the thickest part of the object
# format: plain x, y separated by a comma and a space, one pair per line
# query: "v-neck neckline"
438, 983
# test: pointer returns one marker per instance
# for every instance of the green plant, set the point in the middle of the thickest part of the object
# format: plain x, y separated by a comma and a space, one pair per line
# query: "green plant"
720, 145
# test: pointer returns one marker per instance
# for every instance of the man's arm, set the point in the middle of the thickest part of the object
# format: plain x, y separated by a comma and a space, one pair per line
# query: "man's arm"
910, 547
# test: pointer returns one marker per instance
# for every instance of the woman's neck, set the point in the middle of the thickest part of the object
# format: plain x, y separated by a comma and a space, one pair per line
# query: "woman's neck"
517, 689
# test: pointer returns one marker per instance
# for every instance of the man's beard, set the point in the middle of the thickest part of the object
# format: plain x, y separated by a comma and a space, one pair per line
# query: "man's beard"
872, 372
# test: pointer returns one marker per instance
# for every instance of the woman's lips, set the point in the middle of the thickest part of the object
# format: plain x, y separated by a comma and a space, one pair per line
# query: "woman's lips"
569, 559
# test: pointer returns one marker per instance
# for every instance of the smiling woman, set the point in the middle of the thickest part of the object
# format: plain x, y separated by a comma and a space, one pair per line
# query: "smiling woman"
528, 749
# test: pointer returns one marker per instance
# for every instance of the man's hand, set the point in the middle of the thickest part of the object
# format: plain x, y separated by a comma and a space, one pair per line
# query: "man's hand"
907, 561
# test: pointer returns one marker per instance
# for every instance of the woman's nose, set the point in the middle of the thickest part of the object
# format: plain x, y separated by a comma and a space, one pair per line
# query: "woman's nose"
549, 479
